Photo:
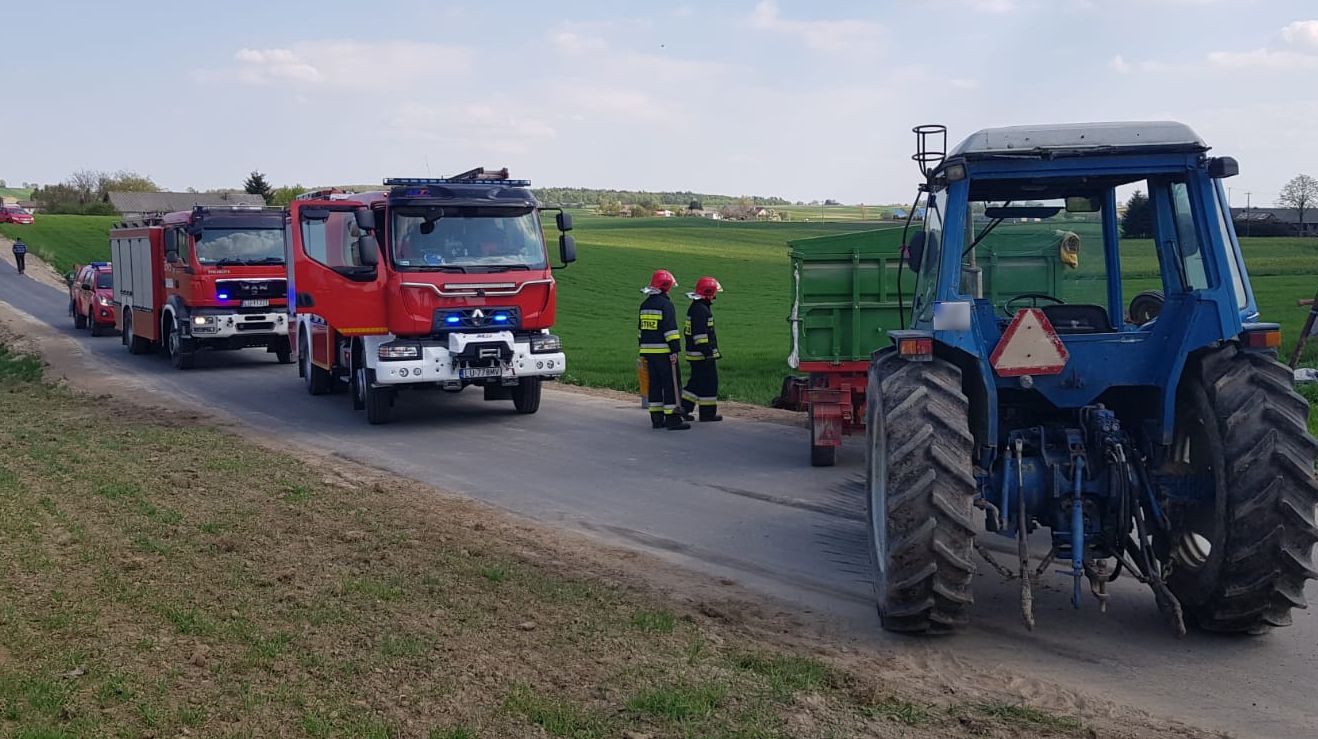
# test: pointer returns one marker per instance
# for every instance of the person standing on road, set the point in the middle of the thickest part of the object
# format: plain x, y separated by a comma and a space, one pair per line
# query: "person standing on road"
702, 351
20, 255
660, 343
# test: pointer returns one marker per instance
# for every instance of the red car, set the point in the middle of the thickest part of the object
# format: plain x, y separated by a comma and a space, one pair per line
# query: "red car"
14, 214
91, 298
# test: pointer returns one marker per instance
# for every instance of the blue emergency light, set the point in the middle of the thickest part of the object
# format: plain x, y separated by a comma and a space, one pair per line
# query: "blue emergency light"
453, 319
500, 318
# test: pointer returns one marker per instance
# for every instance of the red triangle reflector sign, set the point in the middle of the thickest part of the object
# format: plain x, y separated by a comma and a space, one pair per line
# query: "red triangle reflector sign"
1029, 346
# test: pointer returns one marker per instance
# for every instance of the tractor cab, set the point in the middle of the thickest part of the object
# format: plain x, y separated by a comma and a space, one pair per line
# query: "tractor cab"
1090, 362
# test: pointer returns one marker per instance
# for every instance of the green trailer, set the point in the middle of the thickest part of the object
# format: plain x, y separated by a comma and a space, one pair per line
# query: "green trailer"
849, 291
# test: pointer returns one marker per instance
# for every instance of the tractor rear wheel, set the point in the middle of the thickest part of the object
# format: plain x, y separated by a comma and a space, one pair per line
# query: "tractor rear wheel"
1240, 557
920, 492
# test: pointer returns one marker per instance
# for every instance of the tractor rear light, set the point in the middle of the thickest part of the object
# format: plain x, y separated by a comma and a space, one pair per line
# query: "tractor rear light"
1262, 340
916, 348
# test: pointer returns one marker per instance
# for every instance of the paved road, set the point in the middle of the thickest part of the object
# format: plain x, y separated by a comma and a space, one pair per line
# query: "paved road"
738, 500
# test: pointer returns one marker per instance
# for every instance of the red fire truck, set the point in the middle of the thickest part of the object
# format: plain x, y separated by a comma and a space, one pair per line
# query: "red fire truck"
432, 283
208, 278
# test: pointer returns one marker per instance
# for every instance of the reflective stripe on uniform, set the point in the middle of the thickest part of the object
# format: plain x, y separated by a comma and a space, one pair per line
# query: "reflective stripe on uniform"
688, 395
651, 312
695, 357
654, 348
673, 335
701, 338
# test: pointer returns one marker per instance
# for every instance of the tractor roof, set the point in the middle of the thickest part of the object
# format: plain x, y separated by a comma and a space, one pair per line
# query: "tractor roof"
1081, 139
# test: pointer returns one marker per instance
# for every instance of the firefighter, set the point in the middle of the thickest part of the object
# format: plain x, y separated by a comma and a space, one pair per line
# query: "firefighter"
20, 255
702, 351
660, 343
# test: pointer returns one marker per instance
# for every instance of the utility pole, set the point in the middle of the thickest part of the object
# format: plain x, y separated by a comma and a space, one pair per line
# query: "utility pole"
1248, 220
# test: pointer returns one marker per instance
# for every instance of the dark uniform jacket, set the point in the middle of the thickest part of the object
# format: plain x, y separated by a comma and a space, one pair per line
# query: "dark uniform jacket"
701, 341
657, 328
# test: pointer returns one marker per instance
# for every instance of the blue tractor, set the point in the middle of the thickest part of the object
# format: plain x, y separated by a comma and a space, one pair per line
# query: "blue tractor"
1159, 439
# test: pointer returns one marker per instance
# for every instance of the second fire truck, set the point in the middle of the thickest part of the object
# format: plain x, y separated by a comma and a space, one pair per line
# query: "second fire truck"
208, 278
440, 283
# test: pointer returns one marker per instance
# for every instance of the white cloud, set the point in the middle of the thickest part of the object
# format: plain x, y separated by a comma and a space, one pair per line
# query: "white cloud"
494, 125
1301, 33
1120, 65
835, 36
575, 44
1263, 59
340, 64
991, 6
965, 83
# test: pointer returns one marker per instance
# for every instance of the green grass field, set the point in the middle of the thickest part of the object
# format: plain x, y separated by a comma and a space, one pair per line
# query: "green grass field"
600, 293
64, 241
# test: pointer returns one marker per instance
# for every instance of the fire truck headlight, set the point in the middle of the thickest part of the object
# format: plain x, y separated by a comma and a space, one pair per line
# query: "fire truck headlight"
545, 344
105, 301
399, 351
203, 320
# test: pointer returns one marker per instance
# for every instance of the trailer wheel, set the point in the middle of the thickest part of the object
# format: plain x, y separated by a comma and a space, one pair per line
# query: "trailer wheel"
1239, 559
180, 351
317, 380
379, 401
526, 396
920, 493
820, 456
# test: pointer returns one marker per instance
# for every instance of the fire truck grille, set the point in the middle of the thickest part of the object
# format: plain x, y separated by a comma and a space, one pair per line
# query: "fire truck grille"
482, 319
252, 289
255, 326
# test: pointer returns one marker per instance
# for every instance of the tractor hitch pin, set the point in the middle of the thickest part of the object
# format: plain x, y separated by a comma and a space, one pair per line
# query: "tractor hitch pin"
1022, 546
1077, 533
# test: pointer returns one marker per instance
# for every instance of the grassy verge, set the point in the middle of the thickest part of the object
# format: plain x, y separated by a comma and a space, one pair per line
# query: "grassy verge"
162, 578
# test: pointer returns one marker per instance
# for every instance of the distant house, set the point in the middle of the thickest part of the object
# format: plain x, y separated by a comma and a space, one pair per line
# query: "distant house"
713, 215
138, 204
1275, 221
665, 213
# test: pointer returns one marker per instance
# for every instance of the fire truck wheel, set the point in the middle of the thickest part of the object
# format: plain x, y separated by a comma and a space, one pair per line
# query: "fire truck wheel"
317, 379
180, 351
283, 352
526, 396
358, 384
136, 344
379, 401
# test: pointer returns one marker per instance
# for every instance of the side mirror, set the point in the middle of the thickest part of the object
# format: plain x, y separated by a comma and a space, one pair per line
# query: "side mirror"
1219, 168
367, 254
171, 256
567, 249
564, 221
86, 286
194, 230
915, 251
365, 219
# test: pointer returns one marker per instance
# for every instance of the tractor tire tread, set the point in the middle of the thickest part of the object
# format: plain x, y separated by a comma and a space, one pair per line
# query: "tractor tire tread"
929, 495
1272, 492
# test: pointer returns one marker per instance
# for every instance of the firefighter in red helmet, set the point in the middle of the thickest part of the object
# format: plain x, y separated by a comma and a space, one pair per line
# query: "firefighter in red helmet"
702, 351
660, 343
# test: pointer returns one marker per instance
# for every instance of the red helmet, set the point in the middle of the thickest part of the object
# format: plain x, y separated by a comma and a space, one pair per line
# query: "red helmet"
708, 287
663, 280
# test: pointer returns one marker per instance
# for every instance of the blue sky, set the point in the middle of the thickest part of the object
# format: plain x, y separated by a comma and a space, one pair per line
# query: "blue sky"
804, 100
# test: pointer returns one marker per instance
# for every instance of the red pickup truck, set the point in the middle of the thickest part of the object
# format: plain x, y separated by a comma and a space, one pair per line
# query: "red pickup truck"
91, 297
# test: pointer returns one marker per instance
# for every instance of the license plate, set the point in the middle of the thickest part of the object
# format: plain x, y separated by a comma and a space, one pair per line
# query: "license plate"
473, 372
256, 303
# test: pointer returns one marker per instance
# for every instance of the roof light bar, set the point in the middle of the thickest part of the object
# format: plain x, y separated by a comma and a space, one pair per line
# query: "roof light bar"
479, 174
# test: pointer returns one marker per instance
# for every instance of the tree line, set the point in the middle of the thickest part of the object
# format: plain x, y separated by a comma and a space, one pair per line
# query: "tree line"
1300, 194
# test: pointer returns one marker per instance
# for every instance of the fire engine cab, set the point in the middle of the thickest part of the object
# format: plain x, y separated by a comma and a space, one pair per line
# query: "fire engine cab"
208, 278
435, 282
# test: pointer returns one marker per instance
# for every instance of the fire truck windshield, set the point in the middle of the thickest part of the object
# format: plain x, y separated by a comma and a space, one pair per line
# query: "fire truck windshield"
221, 246
466, 239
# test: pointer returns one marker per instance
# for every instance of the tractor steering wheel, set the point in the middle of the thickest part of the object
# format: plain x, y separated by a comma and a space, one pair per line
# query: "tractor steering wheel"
1034, 298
